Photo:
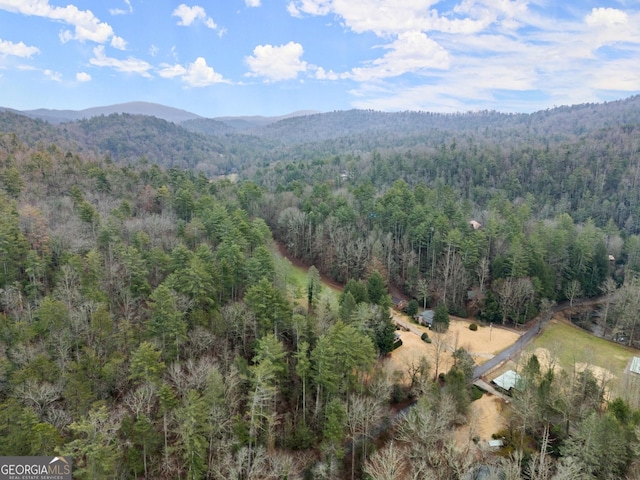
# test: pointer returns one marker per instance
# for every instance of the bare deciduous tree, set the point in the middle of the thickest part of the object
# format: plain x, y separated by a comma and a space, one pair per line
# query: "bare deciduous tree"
38, 394
141, 400
441, 342
483, 272
363, 414
418, 372
608, 290
514, 295
573, 290
387, 464
422, 288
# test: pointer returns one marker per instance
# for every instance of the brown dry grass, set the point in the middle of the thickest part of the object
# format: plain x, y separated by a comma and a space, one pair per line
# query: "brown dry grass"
485, 414
481, 344
485, 418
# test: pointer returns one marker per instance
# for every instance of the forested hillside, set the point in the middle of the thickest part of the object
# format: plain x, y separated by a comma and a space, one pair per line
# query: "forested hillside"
556, 218
124, 138
149, 329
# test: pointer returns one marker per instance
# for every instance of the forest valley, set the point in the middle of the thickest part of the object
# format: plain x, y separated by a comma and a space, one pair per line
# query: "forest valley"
149, 328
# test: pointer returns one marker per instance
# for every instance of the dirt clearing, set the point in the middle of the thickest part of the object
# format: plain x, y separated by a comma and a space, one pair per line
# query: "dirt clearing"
485, 418
482, 344
485, 414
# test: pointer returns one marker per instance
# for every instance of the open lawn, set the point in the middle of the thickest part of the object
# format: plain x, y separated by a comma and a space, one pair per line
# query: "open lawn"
565, 347
295, 275
570, 344
297, 281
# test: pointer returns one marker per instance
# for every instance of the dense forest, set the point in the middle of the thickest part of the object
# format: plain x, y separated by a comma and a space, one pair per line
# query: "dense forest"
148, 327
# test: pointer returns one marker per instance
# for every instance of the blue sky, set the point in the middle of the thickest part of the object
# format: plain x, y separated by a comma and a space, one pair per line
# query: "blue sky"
272, 57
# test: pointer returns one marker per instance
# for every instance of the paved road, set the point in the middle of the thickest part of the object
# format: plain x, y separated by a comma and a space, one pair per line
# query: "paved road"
492, 362
506, 354
535, 327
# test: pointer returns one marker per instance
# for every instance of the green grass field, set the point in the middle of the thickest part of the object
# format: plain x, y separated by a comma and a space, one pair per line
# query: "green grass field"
296, 279
571, 345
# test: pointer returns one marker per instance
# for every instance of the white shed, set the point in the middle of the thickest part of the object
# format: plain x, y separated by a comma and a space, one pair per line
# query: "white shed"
507, 380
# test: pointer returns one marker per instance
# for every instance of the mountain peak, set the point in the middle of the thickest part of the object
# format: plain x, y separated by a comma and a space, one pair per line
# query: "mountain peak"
169, 114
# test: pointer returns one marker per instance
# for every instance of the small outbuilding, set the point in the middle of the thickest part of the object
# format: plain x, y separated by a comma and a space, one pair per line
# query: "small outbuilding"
507, 381
425, 318
495, 444
635, 365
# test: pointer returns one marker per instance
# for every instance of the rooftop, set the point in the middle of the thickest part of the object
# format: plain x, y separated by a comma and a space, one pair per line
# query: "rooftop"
507, 380
635, 365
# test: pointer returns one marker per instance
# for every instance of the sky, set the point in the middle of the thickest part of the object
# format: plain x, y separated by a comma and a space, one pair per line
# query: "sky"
273, 57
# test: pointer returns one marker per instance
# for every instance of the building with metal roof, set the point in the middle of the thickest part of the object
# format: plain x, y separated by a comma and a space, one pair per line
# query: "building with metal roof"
635, 365
507, 380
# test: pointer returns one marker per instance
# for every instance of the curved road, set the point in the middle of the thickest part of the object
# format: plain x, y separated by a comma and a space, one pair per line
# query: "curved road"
507, 353
536, 326
496, 360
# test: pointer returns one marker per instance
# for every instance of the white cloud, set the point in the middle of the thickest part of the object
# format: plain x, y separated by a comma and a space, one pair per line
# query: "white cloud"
130, 65
199, 74
55, 76
411, 52
196, 74
422, 97
471, 54
17, 49
86, 25
492, 72
311, 7
83, 77
420, 38
388, 17
276, 63
122, 11
252, 3
118, 42
322, 74
153, 50
170, 71
188, 15
606, 17
607, 26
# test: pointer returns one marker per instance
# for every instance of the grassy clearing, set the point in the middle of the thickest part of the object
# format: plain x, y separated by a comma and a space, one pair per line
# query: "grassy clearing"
571, 345
295, 277
297, 282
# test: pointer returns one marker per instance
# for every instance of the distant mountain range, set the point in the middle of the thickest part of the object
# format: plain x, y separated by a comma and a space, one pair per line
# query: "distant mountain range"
167, 136
133, 108
163, 112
